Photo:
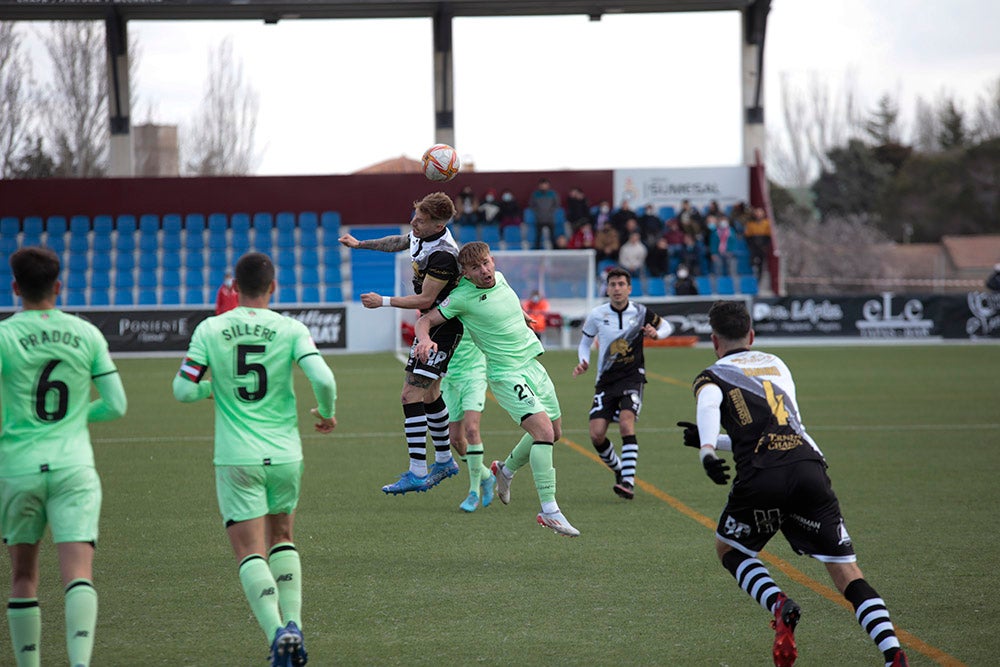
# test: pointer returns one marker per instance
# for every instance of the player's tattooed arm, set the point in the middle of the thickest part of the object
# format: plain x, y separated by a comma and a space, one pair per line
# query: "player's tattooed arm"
387, 243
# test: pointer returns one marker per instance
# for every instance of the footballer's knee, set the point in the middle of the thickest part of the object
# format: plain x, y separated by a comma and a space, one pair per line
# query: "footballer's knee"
721, 549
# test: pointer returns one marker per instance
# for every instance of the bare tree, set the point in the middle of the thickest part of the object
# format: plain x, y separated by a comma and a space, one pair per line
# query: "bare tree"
816, 118
14, 98
925, 128
77, 98
986, 123
222, 136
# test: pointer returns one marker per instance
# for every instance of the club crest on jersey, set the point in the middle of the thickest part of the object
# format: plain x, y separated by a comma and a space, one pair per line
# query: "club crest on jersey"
619, 347
444, 304
482, 298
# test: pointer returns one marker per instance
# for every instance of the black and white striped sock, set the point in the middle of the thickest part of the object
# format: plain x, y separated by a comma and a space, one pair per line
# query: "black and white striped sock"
873, 616
415, 427
630, 456
607, 453
753, 578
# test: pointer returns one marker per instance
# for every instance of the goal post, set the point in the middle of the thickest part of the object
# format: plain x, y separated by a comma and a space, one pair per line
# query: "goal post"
567, 278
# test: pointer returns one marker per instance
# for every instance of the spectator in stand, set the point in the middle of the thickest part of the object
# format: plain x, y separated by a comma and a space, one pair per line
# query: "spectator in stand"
466, 205
738, 217
683, 283
577, 209
544, 202
675, 238
620, 218
561, 242
758, 235
537, 308
658, 259
603, 217
993, 282
691, 254
690, 219
713, 209
226, 298
583, 237
606, 246
510, 215
632, 257
723, 261
489, 211
651, 225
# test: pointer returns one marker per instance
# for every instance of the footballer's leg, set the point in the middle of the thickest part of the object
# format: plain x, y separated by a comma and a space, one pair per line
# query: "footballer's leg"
24, 616
870, 610
76, 564
259, 586
437, 424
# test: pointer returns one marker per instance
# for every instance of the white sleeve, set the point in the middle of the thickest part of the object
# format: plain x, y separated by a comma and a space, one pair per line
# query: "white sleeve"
583, 351
709, 418
665, 328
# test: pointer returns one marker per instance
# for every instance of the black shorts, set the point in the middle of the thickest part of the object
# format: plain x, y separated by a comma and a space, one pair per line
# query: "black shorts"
446, 335
796, 499
611, 399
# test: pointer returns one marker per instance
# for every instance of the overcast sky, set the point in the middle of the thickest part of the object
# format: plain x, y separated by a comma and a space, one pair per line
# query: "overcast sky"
549, 93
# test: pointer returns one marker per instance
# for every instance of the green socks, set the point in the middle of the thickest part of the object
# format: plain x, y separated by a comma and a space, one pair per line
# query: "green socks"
287, 571
474, 459
520, 454
543, 472
81, 620
24, 618
261, 591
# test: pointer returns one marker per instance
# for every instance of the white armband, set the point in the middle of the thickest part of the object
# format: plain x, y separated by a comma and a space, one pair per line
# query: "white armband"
386, 301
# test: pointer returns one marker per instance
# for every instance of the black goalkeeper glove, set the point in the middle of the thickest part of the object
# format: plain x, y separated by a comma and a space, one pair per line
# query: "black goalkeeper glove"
716, 469
691, 438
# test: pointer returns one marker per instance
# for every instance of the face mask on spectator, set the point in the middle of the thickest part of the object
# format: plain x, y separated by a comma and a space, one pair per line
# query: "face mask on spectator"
507, 196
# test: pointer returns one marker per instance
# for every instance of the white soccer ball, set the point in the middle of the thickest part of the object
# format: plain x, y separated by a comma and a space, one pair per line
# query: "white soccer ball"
441, 163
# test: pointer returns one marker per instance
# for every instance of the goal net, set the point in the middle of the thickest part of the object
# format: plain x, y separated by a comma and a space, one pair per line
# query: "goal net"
567, 278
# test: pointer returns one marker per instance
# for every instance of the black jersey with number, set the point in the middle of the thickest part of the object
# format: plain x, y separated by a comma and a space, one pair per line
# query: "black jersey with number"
759, 411
437, 257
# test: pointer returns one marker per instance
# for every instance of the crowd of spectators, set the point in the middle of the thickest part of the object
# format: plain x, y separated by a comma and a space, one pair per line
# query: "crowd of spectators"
676, 250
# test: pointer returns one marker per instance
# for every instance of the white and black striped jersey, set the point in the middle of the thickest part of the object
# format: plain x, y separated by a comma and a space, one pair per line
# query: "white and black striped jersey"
436, 256
620, 336
759, 410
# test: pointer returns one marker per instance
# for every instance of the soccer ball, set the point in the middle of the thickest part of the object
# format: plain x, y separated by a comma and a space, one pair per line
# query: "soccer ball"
441, 163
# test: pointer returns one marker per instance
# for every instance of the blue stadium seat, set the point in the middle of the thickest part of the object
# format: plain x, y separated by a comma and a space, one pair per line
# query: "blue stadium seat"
308, 221
240, 244
148, 279
310, 294
171, 242
215, 278
372, 278
331, 255
194, 278
657, 287
218, 261
76, 297
104, 225
194, 222
748, 284
263, 224
309, 257
286, 221
703, 284
101, 245
78, 263
100, 297
330, 222
217, 241
637, 290
170, 278
491, 236
124, 261
78, 243
263, 220
287, 294
332, 274
101, 262
147, 297
126, 224
33, 226
125, 242
79, 224
8, 244
724, 285
667, 212
171, 296
149, 223
171, 260
286, 258
512, 237
464, 234
124, 297
57, 242
309, 275
56, 224
240, 223
193, 239
194, 296
194, 261
172, 223
286, 239
148, 243
76, 280
218, 222
334, 293
10, 227
124, 280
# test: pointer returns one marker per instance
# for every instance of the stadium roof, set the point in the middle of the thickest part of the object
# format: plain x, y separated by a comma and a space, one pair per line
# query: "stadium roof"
275, 10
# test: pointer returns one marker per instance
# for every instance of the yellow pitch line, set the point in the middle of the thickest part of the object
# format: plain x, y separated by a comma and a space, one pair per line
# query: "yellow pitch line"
670, 380
784, 566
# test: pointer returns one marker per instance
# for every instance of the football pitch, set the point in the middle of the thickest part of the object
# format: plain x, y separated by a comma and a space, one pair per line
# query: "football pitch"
911, 434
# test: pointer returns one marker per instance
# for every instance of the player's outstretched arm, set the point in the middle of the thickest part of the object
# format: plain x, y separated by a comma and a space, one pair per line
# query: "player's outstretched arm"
324, 387
393, 243
112, 403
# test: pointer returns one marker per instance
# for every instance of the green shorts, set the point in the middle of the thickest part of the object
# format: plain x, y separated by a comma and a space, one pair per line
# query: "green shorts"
248, 492
526, 391
68, 500
463, 393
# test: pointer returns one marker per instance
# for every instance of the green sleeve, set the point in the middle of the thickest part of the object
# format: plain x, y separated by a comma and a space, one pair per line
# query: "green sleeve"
187, 391
323, 383
112, 403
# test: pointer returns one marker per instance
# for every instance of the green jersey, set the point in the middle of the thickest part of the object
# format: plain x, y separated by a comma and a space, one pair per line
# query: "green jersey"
495, 320
466, 361
48, 359
250, 352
